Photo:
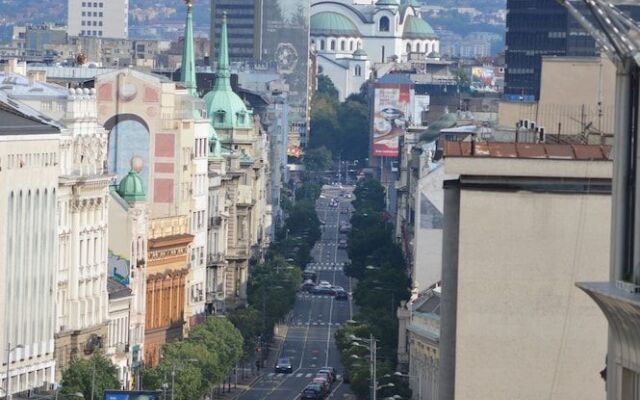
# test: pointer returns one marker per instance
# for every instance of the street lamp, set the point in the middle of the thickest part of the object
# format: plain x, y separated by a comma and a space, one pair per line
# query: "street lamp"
372, 359
10, 349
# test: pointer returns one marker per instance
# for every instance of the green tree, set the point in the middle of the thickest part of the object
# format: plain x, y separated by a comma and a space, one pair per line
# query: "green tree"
353, 120
248, 321
317, 160
80, 375
188, 379
326, 88
222, 338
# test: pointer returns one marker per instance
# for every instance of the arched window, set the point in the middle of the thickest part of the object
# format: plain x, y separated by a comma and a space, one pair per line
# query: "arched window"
321, 44
343, 45
241, 117
220, 116
351, 45
418, 47
333, 45
408, 48
383, 25
357, 71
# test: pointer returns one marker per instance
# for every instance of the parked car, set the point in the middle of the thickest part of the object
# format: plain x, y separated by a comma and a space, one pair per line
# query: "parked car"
327, 375
312, 392
342, 243
284, 365
323, 382
324, 284
345, 228
331, 370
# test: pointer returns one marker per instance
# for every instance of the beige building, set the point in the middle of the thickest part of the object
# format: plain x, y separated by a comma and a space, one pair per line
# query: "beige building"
101, 18
522, 224
576, 98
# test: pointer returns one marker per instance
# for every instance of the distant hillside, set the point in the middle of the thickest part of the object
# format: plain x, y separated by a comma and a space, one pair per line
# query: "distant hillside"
142, 12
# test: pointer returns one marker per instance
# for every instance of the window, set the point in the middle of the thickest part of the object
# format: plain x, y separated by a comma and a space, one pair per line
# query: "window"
84, 4
220, 116
418, 48
383, 25
408, 48
333, 45
81, 33
358, 71
100, 23
95, 23
100, 14
351, 45
321, 44
100, 4
99, 33
82, 23
95, 4
241, 118
83, 13
343, 46
95, 13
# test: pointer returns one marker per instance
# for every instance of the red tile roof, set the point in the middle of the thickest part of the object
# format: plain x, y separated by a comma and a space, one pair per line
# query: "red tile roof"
529, 150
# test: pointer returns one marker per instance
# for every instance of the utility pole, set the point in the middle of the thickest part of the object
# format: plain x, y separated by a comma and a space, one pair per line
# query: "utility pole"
374, 380
173, 380
93, 378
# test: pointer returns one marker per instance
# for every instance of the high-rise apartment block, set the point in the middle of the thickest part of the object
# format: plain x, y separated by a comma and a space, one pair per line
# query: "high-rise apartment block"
243, 19
103, 18
537, 28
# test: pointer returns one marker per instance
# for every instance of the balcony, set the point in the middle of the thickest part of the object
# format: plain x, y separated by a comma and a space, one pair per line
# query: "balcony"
216, 259
215, 221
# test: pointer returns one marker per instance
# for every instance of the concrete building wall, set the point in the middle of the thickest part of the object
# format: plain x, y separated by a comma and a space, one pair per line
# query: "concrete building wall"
28, 191
521, 322
570, 91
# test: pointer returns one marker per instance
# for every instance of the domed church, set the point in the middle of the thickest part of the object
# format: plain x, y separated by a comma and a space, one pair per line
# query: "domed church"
350, 36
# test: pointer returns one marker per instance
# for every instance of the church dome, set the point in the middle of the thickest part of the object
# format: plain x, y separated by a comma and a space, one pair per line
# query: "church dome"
387, 3
360, 53
225, 109
130, 187
417, 28
330, 23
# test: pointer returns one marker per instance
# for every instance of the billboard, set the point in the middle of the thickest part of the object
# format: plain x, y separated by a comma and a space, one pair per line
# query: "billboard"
133, 395
482, 77
285, 43
391, 117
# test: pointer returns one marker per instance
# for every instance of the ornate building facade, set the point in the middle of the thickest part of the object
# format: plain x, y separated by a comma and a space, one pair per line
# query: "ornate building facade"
29, 170
241, 160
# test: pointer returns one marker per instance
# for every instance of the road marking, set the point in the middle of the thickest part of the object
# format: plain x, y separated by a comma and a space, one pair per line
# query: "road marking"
309, 375
299, 375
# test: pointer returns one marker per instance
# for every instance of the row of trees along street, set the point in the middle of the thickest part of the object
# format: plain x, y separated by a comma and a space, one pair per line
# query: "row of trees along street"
378, 264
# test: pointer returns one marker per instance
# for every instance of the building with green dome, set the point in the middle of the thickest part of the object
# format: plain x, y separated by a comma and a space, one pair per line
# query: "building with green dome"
388, 30
131, 188
238, 171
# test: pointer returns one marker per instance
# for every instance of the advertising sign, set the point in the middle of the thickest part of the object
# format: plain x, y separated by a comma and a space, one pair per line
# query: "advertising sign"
391, 117
133, 395
285, 43
482, 77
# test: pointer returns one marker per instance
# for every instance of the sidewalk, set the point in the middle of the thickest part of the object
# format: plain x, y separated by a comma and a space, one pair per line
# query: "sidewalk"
251, 375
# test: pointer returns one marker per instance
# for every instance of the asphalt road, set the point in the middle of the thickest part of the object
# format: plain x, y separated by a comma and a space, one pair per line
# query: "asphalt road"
312, 323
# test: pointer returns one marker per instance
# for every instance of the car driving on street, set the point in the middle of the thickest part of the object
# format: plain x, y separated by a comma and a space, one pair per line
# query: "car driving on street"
284, 365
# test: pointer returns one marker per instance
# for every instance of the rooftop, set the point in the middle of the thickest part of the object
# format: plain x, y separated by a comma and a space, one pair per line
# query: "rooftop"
116, 289
580, 152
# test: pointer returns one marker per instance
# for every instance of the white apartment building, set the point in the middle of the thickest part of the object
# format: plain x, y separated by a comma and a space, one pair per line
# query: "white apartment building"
29, 156
81, 287
104, 18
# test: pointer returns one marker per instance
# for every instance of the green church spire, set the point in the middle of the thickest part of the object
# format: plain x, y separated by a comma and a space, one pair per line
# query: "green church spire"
188, 68
223, 75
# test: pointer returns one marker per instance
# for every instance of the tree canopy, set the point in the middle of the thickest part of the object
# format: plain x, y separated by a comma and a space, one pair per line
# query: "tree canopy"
80, 374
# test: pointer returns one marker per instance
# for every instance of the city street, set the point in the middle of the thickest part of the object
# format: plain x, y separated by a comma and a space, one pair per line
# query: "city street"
312, 323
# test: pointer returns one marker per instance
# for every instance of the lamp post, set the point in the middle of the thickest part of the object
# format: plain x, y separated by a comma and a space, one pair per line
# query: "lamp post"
10, 349
372, 360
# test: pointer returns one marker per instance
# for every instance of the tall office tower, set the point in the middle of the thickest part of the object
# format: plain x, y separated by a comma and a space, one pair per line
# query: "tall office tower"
103, 18
537, 28
243, 24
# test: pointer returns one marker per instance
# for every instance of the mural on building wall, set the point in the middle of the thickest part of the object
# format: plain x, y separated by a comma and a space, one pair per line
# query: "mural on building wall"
129, 138
391, 117
285, 35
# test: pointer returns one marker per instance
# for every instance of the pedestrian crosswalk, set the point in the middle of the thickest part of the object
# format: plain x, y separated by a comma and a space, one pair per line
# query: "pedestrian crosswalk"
315, 323
306, 375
